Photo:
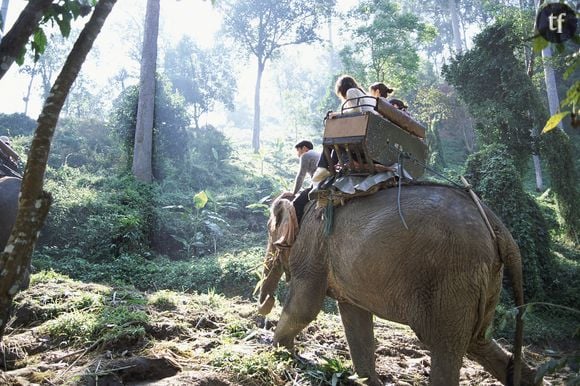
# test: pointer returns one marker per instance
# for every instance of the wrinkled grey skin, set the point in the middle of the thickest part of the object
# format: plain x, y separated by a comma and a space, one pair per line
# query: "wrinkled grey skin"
9, 191
442, 277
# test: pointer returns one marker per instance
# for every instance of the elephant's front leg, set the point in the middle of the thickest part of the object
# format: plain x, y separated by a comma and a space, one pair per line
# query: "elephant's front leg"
303, 303
358, 327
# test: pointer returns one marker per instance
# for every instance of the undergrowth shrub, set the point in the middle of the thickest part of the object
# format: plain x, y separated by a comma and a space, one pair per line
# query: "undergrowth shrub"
494, 177
96, 217
231, 274
559, 152
16, 124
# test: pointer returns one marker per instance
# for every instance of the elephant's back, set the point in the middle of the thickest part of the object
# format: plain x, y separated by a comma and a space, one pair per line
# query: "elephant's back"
410, 243
415, 213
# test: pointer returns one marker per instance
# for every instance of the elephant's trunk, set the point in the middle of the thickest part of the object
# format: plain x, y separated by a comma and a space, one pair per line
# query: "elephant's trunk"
282, 229
272, 273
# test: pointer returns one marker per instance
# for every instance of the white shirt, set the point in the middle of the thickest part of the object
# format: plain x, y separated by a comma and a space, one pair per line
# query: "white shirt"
351, 101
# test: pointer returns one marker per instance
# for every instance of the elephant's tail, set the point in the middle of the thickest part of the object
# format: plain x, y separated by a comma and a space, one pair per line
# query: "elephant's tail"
510, 255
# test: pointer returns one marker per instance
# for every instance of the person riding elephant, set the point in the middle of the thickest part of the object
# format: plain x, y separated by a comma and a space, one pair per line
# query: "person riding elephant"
423, 256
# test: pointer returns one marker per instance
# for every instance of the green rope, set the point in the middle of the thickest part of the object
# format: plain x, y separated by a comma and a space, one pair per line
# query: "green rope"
328, 217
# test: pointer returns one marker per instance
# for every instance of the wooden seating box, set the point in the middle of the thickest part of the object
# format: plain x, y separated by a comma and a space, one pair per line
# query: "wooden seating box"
367, 136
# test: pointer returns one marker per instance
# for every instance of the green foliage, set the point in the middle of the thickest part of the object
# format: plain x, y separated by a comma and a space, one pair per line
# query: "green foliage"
163, 300
385, 44
201, 76
432, 105
16, 124
171, 135
264, 368
494, 177
62, 13
234, 274
257, 24
498, 92
333, 371
109, 325
83, 143
506, 106
558, 151
108, 216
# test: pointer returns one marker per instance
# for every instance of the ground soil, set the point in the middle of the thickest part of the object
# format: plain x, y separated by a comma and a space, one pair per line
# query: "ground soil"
180, 346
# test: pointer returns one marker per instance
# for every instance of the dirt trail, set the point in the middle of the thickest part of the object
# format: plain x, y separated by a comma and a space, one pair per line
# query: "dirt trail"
180, 339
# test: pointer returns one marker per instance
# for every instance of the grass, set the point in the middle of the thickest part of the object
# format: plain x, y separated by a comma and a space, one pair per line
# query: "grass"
232, 273
163, 300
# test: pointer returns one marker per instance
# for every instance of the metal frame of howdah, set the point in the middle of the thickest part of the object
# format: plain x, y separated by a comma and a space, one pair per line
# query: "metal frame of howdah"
370, 137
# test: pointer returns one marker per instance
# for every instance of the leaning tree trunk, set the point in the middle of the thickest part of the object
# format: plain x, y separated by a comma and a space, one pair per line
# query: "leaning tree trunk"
256, 132
143, 148
15, 39
34, 202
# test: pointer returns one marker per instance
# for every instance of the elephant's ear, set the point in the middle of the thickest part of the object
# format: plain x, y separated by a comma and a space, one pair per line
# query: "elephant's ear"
283, 223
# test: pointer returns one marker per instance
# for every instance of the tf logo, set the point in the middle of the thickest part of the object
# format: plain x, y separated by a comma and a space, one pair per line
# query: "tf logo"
557, 22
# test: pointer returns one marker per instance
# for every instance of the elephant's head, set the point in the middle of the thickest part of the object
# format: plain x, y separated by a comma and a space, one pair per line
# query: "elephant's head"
282, 231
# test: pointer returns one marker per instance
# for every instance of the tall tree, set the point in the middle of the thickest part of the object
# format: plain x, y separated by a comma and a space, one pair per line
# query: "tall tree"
143, 150
457, 41
432, 106
385, 43
34, 202
263, 27
201, 76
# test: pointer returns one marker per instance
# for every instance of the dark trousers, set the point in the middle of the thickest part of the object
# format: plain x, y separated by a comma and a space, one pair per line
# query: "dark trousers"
300, 203
323, 162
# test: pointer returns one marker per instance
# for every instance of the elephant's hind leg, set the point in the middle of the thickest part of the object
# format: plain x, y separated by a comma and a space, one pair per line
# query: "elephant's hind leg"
496, 360
358, 327
445, 367
303, 303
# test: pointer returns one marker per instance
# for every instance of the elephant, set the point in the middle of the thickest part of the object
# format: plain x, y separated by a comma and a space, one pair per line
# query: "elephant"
9, 192
439, 271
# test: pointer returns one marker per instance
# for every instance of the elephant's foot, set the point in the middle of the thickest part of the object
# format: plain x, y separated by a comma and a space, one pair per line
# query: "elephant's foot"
499, 363
287, 343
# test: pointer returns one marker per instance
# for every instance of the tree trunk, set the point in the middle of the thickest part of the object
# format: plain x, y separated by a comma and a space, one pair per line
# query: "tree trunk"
437, 158
15, 39
29, 89
143, 150
468, 137
256, 132
550, 80
538, 170
34, 202
455, 26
